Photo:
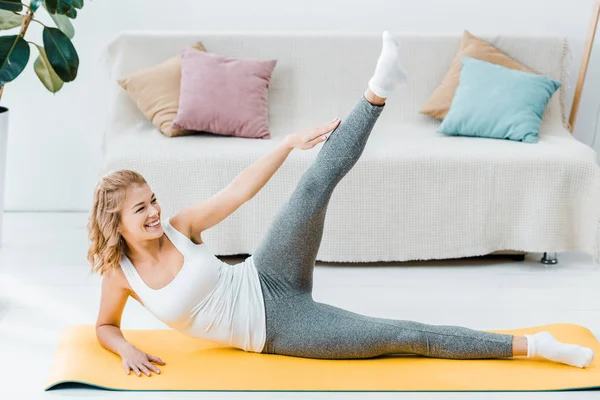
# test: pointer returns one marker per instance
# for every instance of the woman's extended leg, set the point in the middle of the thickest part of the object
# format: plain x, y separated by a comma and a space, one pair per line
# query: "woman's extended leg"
302, 327
288, 251
287, 254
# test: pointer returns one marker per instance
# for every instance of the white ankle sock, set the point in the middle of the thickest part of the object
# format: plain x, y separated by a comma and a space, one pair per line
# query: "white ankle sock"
389, 73
545, 345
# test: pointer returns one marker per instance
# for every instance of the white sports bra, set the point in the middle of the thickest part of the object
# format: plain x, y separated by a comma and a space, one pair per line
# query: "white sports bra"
208, 298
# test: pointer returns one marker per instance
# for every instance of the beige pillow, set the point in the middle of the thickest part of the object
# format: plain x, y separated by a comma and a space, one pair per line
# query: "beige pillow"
439, 102
155, 91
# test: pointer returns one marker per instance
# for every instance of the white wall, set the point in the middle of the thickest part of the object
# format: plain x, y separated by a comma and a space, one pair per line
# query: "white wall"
54, 140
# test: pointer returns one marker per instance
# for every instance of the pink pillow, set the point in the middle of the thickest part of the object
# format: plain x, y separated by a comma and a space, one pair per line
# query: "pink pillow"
224, 95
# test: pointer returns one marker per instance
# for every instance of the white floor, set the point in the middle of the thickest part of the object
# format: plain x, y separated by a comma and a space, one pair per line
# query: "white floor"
45, 287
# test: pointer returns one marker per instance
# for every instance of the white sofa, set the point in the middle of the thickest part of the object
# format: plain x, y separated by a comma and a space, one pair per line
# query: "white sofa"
414, 194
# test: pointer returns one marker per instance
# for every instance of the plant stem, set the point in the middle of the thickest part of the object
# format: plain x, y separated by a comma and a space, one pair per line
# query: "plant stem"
26, 21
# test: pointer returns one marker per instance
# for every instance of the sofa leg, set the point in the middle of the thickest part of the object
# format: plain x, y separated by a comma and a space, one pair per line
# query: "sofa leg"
549, 258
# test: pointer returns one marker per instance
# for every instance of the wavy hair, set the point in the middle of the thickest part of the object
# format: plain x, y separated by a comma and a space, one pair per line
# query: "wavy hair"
106, 243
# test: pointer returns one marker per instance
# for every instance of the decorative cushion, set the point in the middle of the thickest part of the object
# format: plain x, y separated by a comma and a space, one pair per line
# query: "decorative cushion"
470, 46
493, 101
224, 95
155, 91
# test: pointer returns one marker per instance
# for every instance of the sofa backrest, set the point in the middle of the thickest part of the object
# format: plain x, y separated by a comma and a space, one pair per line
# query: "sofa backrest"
320, 75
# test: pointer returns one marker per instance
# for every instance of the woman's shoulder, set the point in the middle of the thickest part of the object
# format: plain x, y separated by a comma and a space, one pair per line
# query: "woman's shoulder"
182, 225
117, 277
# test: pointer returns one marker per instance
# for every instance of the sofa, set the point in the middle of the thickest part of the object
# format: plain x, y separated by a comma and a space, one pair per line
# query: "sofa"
415, 194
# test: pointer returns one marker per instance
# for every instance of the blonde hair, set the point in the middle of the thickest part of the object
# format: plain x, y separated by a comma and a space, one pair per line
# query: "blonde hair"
106, 243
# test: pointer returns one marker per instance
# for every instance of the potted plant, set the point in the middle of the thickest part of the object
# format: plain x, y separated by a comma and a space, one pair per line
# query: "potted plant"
57, 61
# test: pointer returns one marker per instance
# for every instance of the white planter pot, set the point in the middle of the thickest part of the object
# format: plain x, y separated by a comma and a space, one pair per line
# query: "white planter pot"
3, 155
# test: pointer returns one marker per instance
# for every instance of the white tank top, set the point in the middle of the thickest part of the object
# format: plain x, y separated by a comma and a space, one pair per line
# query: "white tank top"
209, 298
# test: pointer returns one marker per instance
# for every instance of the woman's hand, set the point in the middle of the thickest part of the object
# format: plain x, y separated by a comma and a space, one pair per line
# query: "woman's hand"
136, 360
310, 138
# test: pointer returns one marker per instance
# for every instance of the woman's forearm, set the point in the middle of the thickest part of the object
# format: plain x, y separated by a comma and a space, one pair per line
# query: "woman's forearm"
254, 177
111, 338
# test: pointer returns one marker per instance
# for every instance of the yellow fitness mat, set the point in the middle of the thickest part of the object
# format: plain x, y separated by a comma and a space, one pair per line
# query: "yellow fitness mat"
199, 365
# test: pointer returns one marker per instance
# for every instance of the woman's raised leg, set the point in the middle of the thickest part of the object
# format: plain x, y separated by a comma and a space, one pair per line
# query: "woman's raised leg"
286, 256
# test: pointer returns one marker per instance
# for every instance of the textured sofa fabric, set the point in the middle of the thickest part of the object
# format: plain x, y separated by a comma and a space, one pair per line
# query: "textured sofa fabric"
405, 198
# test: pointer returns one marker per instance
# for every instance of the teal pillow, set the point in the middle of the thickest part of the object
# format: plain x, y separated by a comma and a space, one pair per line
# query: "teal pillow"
496, 102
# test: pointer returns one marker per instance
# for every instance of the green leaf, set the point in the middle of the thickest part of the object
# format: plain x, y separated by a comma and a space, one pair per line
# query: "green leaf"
14, 55
78, 4
11, 5
64, 7
71, 13
35, 4
61, 53
44, 71
9, 20
64, 24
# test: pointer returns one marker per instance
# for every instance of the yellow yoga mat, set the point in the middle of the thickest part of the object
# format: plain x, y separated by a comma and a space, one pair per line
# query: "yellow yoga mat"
195, 364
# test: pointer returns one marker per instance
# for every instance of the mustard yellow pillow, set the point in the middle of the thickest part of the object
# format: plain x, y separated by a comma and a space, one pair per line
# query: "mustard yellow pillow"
470, 46
155, 91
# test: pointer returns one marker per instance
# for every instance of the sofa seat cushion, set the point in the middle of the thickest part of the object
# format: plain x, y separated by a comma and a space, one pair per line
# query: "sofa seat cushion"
411, 140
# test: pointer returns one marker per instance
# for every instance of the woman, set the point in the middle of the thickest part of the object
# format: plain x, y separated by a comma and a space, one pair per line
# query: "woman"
265, 304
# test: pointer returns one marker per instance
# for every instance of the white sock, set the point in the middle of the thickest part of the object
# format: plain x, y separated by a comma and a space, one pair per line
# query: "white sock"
545, 345
389, 73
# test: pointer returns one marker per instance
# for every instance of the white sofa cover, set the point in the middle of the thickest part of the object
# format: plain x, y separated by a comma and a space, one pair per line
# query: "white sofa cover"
414, 194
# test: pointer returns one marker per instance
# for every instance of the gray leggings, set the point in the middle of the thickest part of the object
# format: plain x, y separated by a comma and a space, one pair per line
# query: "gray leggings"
299, 326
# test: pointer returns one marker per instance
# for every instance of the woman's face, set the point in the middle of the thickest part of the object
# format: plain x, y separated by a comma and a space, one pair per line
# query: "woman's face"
140, 210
